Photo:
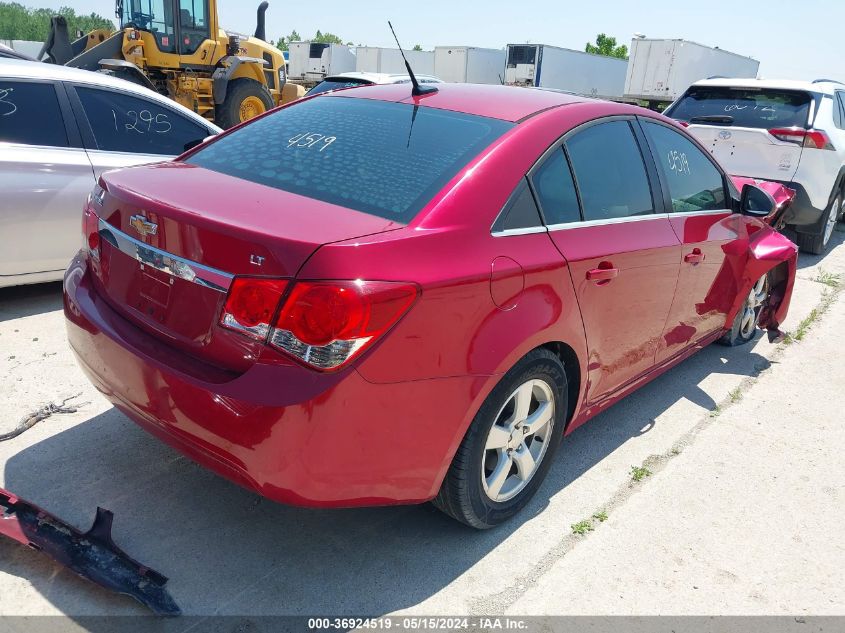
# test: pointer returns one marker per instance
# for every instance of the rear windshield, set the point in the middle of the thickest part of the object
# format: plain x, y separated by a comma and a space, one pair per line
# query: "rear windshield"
337, 84
745, 107
386, 159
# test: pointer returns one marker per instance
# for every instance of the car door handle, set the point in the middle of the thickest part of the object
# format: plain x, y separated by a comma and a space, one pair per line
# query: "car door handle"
602, 274
696, 257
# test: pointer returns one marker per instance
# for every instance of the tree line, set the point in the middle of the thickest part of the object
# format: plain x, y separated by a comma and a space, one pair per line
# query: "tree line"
283, 43
18, 22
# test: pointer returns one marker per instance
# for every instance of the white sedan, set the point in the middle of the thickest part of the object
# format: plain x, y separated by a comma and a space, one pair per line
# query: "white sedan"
60, 128
354, 79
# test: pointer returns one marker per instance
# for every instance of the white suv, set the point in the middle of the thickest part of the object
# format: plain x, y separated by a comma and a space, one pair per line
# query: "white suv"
789, 131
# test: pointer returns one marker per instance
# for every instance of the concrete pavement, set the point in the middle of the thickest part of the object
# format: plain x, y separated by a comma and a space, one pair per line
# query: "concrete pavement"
711, 516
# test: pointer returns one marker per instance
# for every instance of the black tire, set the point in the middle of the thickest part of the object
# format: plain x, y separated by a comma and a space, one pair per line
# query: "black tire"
735, 335
816, 243
228, 113
462, 494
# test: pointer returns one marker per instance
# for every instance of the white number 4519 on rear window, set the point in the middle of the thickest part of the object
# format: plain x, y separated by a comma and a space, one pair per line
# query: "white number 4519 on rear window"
311, 139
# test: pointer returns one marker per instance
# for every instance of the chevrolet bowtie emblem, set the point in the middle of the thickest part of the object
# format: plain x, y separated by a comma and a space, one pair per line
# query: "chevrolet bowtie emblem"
143, 225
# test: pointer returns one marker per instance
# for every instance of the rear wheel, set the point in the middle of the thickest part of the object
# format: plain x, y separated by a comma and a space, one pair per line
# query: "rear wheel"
245, 99
744, 327
816, 243
509, 446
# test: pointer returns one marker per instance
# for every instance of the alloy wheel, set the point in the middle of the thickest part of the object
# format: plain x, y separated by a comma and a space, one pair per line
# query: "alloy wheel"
833, 216
752, 306
517, 442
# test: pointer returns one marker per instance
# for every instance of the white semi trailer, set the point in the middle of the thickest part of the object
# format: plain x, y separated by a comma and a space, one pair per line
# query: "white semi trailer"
374, 59
659, 70
545, 66
310, 62
468, 64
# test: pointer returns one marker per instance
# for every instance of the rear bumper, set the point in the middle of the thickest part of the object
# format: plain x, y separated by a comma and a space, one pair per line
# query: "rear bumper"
801, 214
291, 434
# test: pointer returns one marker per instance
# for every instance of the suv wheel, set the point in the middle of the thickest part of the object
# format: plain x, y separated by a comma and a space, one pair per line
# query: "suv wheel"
816, 243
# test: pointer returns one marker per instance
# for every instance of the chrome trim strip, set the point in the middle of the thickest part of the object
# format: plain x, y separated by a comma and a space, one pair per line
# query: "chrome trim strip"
524, 231
583, 223
164, 261
684, 214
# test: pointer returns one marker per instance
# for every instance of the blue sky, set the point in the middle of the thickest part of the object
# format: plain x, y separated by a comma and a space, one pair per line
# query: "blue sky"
798, 40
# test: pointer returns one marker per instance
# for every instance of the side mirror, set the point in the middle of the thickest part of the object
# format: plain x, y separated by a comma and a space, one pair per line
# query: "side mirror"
756, 202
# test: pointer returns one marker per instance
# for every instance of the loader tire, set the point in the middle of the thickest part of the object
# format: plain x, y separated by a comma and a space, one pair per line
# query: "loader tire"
245, 99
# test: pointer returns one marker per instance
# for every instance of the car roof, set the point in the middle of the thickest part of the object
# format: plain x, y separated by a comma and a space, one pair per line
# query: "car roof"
509, 103
825, 86
10, 53
20, 69
380, 78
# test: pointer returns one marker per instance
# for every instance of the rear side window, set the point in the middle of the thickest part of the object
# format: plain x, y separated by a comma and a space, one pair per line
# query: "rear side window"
386, 159
553, 183
694, 182
610, 172
122, 123
520, 212
765, 108
839, 109
30, 114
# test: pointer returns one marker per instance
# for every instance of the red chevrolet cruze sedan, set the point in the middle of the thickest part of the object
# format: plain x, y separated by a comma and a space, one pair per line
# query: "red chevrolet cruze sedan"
375, 297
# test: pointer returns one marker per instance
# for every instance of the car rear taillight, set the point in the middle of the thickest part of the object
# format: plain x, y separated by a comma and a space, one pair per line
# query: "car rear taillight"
91, 221
324, 324
91, 232
251, 304
813, 139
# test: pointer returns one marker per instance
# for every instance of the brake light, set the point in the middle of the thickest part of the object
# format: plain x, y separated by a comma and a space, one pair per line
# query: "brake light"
324, 324
327, 324
91, 232
813, 139
251, 304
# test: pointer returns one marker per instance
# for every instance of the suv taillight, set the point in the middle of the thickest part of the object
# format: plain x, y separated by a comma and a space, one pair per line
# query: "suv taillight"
813, 139
324, 324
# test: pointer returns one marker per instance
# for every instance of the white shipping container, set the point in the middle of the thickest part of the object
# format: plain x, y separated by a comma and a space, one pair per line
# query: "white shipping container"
468, 64
583, 73
660, 70
375, 59
311, 61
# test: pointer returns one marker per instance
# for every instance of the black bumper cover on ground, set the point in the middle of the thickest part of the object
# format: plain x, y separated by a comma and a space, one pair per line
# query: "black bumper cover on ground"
92, 555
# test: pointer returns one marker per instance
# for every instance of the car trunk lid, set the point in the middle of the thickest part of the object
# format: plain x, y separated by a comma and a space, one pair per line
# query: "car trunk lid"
167, 259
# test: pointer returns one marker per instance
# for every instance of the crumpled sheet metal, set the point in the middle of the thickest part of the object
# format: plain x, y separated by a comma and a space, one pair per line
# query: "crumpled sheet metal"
92, 555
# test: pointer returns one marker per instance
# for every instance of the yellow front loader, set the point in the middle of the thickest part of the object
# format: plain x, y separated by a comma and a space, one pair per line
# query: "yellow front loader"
177, 48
